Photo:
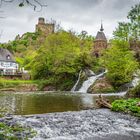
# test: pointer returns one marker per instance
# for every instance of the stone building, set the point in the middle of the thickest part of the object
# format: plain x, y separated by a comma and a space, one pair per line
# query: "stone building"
8, 65
100, 42
45, 28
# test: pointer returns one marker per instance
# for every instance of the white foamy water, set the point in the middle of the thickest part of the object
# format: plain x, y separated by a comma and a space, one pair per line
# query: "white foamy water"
74, 87
82, 125
135, 81
89, 82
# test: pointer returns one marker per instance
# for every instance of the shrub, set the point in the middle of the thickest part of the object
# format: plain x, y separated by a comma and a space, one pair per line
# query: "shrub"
127, 106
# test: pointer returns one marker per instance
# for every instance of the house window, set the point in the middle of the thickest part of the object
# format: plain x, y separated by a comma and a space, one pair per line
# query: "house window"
8, 57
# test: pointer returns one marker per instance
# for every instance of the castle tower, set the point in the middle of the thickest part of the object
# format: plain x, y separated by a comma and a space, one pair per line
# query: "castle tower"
100, 42
44, 28
41, 21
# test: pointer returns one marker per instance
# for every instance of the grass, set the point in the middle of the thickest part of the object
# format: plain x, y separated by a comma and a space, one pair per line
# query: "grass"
17, 83
4, 83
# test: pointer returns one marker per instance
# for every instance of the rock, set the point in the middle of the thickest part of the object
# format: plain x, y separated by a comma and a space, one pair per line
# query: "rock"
134, 92
102, 85
49, 88
89, 73
8, 118
138, 104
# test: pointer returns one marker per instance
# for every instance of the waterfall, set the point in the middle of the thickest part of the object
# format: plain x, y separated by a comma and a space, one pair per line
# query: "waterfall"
89, 82
74, 87
92, 78
135, 81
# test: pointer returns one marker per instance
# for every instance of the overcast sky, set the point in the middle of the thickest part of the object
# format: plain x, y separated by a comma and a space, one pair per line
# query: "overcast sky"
70, 14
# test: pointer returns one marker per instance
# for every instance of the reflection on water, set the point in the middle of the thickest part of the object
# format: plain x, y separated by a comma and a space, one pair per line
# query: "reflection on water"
33, 103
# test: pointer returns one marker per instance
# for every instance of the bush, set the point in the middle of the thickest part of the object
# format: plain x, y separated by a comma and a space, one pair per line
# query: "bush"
12, 132
127, 106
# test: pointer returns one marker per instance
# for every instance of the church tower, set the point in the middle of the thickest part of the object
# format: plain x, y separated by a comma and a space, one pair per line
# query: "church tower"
100, 42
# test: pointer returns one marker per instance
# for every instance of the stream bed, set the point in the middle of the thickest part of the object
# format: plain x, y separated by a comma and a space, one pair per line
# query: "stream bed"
98, 124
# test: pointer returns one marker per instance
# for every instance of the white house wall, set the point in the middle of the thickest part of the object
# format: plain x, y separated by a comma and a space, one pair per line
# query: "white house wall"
8, 65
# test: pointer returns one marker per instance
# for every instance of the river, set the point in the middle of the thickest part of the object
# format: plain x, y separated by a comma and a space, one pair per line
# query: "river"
48, 102
68, 116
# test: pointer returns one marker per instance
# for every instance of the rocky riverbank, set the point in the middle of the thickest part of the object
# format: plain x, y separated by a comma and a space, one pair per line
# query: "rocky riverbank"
100, 124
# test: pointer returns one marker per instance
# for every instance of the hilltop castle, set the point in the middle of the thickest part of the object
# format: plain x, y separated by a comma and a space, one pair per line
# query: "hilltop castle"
45, 28
100, 42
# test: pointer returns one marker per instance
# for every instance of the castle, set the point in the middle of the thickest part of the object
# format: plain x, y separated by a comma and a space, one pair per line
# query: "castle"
45, 28
100, 42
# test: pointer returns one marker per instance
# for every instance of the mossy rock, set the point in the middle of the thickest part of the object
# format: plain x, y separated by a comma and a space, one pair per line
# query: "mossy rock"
102, 85
134, 92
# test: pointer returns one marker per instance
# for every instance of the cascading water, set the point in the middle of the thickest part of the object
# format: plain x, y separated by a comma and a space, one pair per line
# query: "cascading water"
74, 87
89, 82
135, 81
92, 78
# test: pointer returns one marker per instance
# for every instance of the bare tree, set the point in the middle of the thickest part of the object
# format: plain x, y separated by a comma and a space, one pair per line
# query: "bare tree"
21, 3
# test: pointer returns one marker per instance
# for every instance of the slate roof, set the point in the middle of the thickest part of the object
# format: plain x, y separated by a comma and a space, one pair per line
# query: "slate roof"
6, 55
100, 36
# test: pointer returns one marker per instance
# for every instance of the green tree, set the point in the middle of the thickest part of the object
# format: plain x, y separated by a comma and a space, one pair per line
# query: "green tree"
61, 57
134, 17
122, 31
120, 63
131, 29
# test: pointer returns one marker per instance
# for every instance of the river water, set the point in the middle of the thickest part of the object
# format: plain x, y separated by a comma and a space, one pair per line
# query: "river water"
48, 102
61, 116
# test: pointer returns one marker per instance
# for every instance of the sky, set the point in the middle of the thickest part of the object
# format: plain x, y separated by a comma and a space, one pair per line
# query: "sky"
77, 15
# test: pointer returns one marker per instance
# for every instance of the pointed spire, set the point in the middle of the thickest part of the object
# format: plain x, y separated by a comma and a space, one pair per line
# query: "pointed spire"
102, 29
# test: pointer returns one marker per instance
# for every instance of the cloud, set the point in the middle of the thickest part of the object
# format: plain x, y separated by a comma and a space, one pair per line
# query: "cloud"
77, 14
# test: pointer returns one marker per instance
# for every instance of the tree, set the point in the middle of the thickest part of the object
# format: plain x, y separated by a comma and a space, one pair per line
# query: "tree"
120, 63
131, 29
61, 58
21, 3
134, 17
122, 32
